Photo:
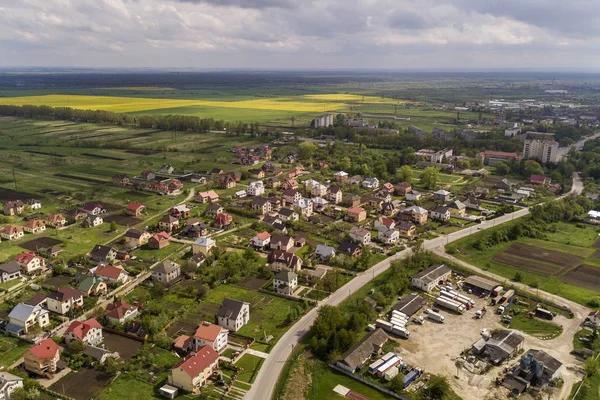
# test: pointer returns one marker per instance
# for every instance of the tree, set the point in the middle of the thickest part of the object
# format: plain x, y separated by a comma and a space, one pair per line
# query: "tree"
430, 177
533, 168
502, 168
404, 174
306, 150
397, 383
113, 226
436, 389
77, 347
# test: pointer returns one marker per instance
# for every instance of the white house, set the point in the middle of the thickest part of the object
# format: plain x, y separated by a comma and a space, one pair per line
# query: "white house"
233, 314
64, 300
8, 383
384, 223
93, 220
24, 316
360, 235
90, 332
285, 282
388, 236
305, 207
256, 188
261, 240
121, 311
440, 213
29, 261
210, 334
371, 183
324, 252
413, 195
318, 190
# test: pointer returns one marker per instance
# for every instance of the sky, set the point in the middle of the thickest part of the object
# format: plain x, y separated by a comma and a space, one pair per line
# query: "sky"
297, 34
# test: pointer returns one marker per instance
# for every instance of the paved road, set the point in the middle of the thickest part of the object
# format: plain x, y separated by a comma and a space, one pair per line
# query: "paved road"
269, 372
564, 151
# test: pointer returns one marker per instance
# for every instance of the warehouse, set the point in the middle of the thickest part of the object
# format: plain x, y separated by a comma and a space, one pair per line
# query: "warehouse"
502, 345
410, 304
428, 279
479, 285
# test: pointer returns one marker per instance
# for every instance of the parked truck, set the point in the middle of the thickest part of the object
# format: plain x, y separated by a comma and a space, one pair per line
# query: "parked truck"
468, 303
400, 331
506, 301
543, 313
385, 325
435, 316
451, 305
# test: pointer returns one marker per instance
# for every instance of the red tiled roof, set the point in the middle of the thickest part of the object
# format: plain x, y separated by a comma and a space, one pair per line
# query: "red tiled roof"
12, 229
25, 257
208, 331
355, 210
45, 349
80, 329
498, 153
386, 221
134, 206
195, 364
109, 271
161, 236
263, 236
117, 310
182, 342
91, 207
34, 223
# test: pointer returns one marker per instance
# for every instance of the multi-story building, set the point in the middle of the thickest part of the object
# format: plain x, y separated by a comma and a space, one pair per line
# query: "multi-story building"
42, 358
545, 151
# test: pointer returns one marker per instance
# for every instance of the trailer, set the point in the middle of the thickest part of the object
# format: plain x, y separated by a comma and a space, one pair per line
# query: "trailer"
398, 323
375, 365
400, 331
391, 373
385, 325
435, 316
395, 318
392, 362
410, 377
468, 303
461, 297
399, 314
543, 313
450, 304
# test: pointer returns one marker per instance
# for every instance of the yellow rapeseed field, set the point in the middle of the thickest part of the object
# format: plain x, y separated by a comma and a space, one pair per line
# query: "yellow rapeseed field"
133, 104
353, 98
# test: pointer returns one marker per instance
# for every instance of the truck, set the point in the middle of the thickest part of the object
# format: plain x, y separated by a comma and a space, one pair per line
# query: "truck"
435, 316
400, 331
543, 313
399, 314
450, 304
410, 377
505, 301
418, 320
468, 303
385, 325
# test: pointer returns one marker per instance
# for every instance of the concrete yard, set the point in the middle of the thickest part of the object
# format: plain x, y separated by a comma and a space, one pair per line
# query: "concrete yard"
435, 347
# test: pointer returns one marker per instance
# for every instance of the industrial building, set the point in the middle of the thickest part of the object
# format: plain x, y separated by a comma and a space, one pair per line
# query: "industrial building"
479, 285
410, 304
536, 369
323, 121
499, 347
428, 279
358, 355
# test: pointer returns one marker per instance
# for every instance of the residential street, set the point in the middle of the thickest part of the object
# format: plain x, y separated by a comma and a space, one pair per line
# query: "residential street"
269, 373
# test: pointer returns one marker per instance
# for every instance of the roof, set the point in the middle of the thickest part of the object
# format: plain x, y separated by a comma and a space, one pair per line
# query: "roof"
324, 250
385, 221
182, 342
117, 310
45, 349
109, 271
231, 308
458, 205
480, 282
169, 219
286, 276
550, 363
161, 236
92, 207
355, 210
10, 267
134, 233
348, 247
195, 364
498, 153
166, 267
101, 250
260, 201
81, 329
204, 241
134, 206
12, 229
416, 209
281, 239
505, 340
7, 377
65, 293
359, 231
433, 273
405, 225
208, 331
442, 192
360, 352
95, 352
36, 299
440, 210
22, 311
263, 236
410, 304
537, 178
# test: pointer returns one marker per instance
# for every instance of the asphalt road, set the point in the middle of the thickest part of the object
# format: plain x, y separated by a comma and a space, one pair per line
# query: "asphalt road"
273, 364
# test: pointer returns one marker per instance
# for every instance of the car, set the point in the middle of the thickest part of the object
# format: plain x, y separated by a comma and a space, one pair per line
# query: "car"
485, 332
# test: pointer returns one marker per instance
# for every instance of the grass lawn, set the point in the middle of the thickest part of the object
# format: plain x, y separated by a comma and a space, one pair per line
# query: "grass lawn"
590, 389
11, 349
535, 326
265, 348
125, 387
249, 363
227, 353
9, 284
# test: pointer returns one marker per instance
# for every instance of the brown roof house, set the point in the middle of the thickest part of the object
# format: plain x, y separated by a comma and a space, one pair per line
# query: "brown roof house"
280, 260
360, 353
136, 238
64, 300
168, 223
357, 214
160, 240
121, 311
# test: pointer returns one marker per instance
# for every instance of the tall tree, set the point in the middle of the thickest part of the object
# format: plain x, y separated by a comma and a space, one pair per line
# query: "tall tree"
430, 177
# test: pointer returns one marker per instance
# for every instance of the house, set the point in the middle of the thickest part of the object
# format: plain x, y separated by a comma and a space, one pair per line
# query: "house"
159, 241
280, 242
370, 183
75, 215
407, 229
285, 282
111, 274
94, 209
280, 260
256, 188
318, 190
211, 335
593, 319
388, 187
351, 200
93, 220
12, 232
8, 384
334, 194
89, 332
166, 272
194, 371
226, 182
15, 207
360, 353
360, 235
64, 300
121, 180
472, 203
261, 205
121, 311
403, 188
256, 173
34, 226
261, 240
168, 223
56, 220
148, 175
383, 223
505, 184
493, 158
429, 278
273, 182
207, 197
356, 214
180, 211
216, 171
388, 208
440, 213
10, 271
442, 195
539, 180
42, 359
290, 196
457, 208
223, 221
288, 214
29, 261
136, 238
135, 209
388, 236
355, 180
215, 209
233, 314
24, 316
416, 214
324, 252
93, 286
350, 248
203, 245
194, 231
305, 207
413, 195
34, 204
290, 184
341, 176
175, 186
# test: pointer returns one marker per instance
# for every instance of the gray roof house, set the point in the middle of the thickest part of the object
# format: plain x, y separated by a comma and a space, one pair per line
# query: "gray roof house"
324, 252
233, 314
8, 383
166, 272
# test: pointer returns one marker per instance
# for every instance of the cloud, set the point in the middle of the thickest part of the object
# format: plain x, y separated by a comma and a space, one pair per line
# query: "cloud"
300, 33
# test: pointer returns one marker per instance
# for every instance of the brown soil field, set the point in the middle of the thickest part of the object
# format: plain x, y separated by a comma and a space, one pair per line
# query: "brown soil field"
251, 283
58, 281
125, 346
585, 276
596, 255
538, 260
101, 156
179, 328
39, 243
9, 194
81, 178
83, 384
597, 243
123, 220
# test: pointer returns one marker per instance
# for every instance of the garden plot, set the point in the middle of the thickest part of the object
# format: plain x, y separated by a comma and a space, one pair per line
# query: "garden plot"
585, 276
537, 260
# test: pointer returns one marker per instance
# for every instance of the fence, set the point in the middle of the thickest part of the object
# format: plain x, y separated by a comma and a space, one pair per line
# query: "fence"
368, 382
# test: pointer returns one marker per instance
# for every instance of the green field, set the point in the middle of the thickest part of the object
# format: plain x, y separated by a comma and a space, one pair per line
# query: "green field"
535, 326
11, 349
250, 365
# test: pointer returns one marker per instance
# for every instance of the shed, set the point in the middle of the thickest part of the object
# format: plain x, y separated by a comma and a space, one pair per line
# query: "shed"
480, 285
410, 304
